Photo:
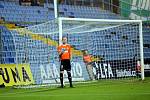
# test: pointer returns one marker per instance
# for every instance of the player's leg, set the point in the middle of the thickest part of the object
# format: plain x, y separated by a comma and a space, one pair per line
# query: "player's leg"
61, 74
61, 78
69, 72
69, 77
90, 71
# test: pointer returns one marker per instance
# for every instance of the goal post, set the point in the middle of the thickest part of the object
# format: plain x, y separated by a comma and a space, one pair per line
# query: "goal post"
141, 50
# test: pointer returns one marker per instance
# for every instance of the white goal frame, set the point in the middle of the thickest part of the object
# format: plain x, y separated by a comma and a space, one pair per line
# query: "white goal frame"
61, 19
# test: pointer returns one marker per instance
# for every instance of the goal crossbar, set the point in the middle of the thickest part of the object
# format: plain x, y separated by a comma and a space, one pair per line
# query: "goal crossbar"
98, 20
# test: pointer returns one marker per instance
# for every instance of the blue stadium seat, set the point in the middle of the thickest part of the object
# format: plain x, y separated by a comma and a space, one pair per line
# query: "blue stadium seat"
1, 6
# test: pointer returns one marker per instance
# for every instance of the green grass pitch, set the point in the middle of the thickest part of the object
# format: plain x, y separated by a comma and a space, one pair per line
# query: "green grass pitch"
100, 90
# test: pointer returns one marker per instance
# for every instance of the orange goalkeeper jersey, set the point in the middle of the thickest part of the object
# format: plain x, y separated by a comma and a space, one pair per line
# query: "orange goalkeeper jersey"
66, 48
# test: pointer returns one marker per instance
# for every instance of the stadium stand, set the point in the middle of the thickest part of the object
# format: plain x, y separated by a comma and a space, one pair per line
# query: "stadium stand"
30, 15
37, 14
8, 46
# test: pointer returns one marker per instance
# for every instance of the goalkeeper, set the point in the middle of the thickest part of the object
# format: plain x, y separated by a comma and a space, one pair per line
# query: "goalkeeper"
64, 51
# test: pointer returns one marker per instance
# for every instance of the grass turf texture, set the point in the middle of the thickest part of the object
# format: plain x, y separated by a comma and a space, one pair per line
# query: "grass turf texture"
100, 90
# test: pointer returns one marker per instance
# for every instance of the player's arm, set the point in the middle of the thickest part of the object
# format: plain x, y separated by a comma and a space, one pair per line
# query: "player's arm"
60, 51
84, 60
70, 53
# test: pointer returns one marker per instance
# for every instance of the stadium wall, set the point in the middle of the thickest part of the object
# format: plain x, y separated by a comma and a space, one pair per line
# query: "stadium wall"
15, 74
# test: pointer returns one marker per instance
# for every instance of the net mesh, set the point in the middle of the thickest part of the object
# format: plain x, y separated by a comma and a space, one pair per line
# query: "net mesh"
114, 49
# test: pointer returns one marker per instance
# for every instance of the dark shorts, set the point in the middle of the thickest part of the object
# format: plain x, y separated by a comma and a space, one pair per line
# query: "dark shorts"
65, 65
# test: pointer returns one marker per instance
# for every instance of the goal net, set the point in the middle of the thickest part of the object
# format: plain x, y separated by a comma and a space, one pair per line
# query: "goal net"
115, 47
